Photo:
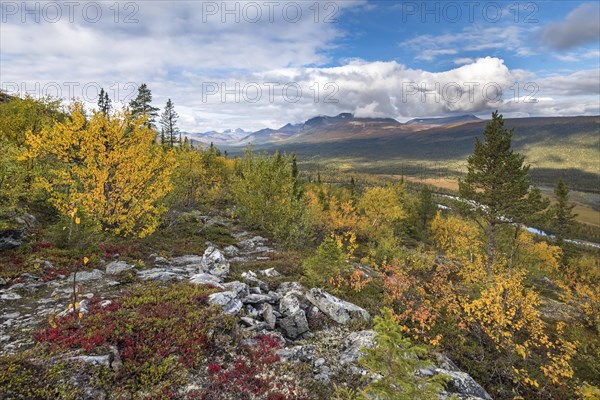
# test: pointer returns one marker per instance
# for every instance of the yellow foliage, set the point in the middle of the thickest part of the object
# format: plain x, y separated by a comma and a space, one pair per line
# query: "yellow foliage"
460, 242
538, 255
380, 207
110, 167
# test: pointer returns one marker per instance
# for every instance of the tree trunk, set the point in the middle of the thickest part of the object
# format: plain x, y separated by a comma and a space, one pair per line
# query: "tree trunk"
491, 248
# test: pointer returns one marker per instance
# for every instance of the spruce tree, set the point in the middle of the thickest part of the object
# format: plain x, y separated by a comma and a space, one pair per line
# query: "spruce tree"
142, 105
496, 186
427, 208
562, 212
104, 103
168, 122
398, 362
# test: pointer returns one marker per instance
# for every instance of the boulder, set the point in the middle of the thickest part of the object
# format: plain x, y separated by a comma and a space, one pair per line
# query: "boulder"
83, 276
294, 325
207, 279
157, 274
353, 345
116, 267
252, 279
10, 238
460, 384
338, 310
187, 260
240, 289
213, 262
268, 316
257, 298
289, 304
227, 300
269, 273
231, 251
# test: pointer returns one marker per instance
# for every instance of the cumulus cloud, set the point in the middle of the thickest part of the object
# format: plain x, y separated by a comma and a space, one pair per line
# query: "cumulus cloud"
269, 72
581, 26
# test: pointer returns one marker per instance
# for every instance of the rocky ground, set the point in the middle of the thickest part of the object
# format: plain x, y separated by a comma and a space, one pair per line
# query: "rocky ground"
320, 330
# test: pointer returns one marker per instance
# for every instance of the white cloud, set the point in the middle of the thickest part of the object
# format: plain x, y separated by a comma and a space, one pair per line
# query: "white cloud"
474, 38
581, 26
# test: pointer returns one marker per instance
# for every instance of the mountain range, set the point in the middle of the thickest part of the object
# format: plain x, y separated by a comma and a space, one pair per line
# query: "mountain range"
564, 147
321, 128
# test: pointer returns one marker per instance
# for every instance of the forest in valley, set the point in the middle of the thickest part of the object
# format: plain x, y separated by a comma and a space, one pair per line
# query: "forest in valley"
84, 190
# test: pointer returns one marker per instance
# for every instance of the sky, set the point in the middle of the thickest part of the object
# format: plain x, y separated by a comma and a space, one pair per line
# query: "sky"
257, 64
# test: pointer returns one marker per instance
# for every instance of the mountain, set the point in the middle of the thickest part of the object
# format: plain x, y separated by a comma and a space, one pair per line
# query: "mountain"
564, 147
227, 137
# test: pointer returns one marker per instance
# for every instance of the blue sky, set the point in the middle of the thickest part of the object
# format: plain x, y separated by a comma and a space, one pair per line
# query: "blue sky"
255, 64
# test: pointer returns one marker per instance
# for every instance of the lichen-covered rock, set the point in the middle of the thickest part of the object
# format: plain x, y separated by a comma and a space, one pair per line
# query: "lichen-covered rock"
207, 279
227, 300
289, 304
240, 289
116, 267
187, 260
354, 343
269, 273
251, 278
84, 276
214, 262
294, 325
158, 274
337, 309
269, 316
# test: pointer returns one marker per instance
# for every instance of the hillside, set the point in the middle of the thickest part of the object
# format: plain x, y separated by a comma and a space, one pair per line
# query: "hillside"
554, 146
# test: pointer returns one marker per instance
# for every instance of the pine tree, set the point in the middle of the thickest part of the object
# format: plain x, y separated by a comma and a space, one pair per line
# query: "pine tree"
168, 122
562, 212
496, 185
142, 105
104, 103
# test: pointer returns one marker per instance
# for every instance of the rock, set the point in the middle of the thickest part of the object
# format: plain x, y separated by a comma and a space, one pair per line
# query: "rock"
294, 287
10, 238
294, 325
14, 315
253, 243
269, 273
187, 260
231, 251
10, 296
297, 353
464, 385
249, 321
94, 360
207, 279
354, 343
460, 384
157, 274
2, 282
116, 267
251, 278
240, 289
227, 300
214, 262
84, 276
289, 304
268, 316
257, 298
27, 220
338, 310
556, 311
